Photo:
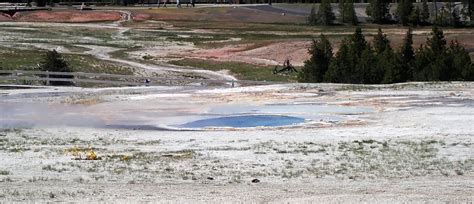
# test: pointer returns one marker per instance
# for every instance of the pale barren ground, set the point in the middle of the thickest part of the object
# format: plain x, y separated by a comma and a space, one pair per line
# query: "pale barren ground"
396, 143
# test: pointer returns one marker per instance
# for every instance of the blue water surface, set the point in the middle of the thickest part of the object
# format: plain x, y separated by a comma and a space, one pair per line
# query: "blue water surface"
244, 121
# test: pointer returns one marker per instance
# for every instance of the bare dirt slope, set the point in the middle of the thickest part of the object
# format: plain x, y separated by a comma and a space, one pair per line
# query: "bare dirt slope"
64, 16
4, 17
274, 53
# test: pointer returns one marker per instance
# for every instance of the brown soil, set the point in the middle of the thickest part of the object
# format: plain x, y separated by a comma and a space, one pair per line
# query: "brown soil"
228, 14
4, 17
70, 16
141, 17
271, 54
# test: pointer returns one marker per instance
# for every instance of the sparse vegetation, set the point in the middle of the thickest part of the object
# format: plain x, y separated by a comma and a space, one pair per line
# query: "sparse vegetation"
17, 59
242, 71
4, 172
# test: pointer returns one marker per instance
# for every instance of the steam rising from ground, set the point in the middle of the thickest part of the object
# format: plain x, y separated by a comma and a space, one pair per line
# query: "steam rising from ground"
40, 114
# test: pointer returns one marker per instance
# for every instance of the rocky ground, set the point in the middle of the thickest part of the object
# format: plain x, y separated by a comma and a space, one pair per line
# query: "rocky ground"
396, 143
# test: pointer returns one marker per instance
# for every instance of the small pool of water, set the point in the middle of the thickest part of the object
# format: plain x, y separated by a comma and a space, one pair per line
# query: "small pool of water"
245, 121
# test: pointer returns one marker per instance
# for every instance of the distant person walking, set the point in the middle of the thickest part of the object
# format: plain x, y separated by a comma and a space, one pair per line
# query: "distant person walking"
190, 2
164, 3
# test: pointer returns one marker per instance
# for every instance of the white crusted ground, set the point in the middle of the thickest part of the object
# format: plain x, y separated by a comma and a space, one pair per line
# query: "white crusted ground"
416, 144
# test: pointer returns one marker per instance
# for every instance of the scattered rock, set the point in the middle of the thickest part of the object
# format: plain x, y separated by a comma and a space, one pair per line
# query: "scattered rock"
255, 181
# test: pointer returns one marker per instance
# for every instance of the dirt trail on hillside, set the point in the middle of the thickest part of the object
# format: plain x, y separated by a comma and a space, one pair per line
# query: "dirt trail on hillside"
103, 52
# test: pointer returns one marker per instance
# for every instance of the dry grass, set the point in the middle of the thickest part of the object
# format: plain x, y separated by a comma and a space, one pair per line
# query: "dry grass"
227, 14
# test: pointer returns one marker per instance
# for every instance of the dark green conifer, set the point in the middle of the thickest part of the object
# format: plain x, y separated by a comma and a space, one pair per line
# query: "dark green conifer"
404, 11
379, 11
325, 15
316, 67
312, 18
425, 13
380, 42
407, 57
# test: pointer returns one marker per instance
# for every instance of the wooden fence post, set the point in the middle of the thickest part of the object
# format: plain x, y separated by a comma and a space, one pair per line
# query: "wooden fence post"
47, 79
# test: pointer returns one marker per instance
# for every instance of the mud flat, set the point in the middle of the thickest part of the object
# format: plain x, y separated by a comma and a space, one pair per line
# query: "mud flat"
393, 143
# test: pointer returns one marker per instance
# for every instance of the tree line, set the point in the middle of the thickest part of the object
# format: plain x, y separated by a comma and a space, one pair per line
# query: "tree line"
407, 13
360, 62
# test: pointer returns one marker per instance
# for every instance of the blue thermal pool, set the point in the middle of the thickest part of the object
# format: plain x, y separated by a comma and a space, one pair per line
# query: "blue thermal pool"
244, 121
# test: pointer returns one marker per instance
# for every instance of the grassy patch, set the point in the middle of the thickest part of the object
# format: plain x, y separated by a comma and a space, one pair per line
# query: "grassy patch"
29, 59
241, 70
392, 159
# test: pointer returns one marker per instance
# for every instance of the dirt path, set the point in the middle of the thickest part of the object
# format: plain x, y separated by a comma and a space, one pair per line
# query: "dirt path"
103, 52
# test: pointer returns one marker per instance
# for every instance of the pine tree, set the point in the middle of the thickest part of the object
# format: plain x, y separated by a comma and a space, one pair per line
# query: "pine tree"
437, 52
350, 14
337, 72
325, 15
425, 13
406, 51
312, 18
370, 72
443, 17
421, 64
380, 42
454, 17
344, 67
316, 67
54, 62
392, 69
437, 43
432, 62
386, 69
465, 11
407, 57
358, 42
415, 17
347, 12
356, 47
404, 10
462, 66
470, 9
379, 11
40, 3
342, 9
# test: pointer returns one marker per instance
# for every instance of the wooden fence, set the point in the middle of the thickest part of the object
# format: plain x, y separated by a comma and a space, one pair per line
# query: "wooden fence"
20, 77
